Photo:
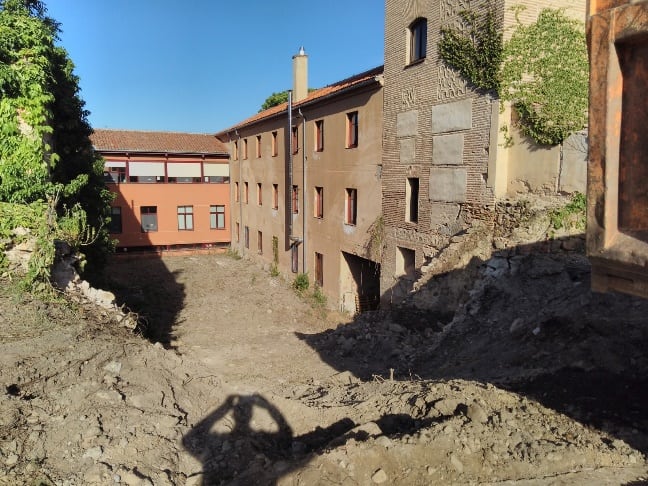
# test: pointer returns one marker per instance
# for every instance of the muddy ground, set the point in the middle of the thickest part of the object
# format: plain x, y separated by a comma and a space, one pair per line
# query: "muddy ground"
530, 379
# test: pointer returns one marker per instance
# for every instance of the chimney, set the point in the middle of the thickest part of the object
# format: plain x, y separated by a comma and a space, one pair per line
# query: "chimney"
300, 75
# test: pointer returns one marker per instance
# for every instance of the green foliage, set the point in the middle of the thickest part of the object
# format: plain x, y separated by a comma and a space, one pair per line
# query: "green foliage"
275, 250
274, 99
318, 296
45, 150
542, 70
476, 52
274, 270
376, 244
301, 284
233, 253
572, 215
545, 76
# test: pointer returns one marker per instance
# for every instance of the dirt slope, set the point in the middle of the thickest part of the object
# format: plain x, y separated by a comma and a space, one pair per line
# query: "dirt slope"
531, 380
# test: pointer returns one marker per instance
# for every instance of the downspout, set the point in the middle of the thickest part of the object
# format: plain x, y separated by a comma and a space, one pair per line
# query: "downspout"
304, 265
289, 189
240, 189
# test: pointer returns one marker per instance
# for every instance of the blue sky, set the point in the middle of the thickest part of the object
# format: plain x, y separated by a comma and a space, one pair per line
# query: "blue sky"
204, 65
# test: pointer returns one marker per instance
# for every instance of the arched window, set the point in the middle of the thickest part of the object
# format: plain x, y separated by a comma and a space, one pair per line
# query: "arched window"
418, 40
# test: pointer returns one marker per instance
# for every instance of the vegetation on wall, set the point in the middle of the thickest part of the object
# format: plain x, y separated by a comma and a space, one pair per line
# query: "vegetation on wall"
542, 70
476, 52
45, 152
277, 98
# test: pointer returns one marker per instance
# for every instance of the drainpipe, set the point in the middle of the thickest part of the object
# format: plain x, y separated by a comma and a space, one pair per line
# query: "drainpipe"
289, 189
304, 265
240, 195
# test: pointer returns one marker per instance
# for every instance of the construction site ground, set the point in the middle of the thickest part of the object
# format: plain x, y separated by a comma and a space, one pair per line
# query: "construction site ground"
526, 378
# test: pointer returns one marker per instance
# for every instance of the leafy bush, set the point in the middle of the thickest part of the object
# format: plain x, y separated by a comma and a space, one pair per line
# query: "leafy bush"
301, 284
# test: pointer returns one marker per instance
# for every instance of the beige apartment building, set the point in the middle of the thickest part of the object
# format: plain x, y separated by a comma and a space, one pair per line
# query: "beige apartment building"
444, 160
306, 185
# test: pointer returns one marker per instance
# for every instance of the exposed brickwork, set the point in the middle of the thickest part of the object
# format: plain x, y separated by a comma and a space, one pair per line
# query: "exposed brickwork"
421, 87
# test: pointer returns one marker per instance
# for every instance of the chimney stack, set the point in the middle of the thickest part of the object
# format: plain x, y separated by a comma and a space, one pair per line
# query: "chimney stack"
300, 75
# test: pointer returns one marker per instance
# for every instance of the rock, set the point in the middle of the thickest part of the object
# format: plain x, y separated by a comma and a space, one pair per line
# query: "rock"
456, 463
476, 413
447, 406
11, 460
384, 441
93, 453
379, 477
113, 367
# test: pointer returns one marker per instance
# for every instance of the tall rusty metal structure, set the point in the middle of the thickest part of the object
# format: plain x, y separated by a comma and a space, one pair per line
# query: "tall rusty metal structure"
617, 193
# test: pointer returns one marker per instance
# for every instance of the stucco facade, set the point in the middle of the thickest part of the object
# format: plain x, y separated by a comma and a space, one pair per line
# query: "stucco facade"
324, 228
171, 189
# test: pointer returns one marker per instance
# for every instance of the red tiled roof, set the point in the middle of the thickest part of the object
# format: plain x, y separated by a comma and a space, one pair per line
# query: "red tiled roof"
156, 142
313, 96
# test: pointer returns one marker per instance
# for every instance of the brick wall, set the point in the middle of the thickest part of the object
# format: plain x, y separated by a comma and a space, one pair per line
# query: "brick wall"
436, 128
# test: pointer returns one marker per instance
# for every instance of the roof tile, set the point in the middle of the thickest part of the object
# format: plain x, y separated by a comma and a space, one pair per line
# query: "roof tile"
156, 142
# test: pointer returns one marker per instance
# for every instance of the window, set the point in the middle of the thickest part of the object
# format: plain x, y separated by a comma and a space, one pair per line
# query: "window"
246, 193
275, 196
235, 154
259, 194
295, 140
405, 262
294, 258
319, 269
260, 242
146, 172
236, 192
217, 217
185, 218
115, 225
350, 206
184, 172
418, 40
113, 174
258, 146
318, 204
275, 147
319, 135
238, 232
246, 235
411, 199
352, 129
245, 148
295, 199
148, 216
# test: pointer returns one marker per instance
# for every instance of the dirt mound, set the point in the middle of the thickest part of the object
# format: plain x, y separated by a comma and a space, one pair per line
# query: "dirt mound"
531, 380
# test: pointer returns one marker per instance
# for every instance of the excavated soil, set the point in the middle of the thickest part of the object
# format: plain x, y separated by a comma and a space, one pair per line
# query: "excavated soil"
527, 379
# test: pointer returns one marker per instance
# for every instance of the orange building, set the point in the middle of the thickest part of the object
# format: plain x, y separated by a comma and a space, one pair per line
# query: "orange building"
172, 189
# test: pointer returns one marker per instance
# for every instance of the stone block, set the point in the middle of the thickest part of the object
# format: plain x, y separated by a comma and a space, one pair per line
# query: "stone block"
448, 185
448, 149
407, 124
452, 117
408, 151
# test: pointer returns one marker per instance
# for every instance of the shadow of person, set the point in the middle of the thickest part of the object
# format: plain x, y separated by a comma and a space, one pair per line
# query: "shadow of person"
246, 434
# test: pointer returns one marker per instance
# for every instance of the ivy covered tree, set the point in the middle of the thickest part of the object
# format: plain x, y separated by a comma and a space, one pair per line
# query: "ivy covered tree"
45, 149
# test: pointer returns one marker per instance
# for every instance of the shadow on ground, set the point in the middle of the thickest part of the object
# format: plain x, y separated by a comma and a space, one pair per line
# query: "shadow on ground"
143, 284
524, 321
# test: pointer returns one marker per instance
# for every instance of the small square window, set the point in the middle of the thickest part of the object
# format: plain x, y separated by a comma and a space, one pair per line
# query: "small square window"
246, 193
319, 269
258, 146
235, 154
246, 235
237, 194
245, 148
260, 242
259, 194
411, 199
275, 196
